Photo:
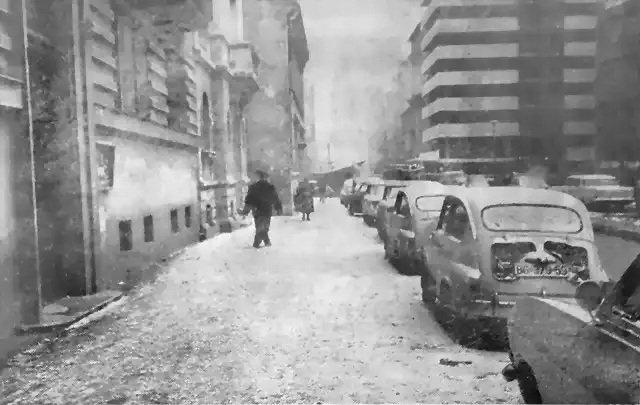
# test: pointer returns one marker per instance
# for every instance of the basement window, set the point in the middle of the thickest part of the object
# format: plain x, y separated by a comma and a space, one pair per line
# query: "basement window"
148, 228
187, 216
126, 236
174, 221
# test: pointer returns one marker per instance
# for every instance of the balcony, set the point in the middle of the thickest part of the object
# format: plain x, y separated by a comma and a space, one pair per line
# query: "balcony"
244, 60
170, 15
212, 50
243, 66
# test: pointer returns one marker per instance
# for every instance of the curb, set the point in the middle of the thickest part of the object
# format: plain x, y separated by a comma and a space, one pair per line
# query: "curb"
57, 326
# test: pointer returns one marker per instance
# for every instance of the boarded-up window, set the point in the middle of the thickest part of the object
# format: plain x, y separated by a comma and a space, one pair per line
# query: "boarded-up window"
187, 216
174, 221
126, 235
148, 228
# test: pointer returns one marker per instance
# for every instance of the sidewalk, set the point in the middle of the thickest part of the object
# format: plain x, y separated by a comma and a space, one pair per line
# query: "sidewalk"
59, 316
55, 319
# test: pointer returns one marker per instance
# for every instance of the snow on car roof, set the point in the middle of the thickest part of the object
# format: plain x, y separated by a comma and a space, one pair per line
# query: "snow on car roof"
591, 176
422, 187
484, 196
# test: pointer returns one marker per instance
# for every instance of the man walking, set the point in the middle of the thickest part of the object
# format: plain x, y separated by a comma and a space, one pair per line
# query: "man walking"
262, 198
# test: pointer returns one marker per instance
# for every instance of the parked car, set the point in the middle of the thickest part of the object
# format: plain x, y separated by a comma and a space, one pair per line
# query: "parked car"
600, 192
370, 202
363, 187
389, 194
349, 186
493, 244
414, 207
584, 350
451, 178
524, 180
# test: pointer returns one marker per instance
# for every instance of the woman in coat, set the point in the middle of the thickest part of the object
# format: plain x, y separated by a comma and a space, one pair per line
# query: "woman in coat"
304, 199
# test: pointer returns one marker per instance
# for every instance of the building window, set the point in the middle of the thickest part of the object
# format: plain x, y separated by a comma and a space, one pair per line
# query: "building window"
174, 221
187, 216
148, 228
126, 236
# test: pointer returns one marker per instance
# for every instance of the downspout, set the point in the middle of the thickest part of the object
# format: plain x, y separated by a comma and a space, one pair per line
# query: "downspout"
32, 155
82, 128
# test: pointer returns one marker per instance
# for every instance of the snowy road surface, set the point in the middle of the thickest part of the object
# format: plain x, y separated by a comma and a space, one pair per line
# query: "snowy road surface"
318, 317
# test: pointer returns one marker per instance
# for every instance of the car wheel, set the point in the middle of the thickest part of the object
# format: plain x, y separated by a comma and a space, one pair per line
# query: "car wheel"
528, 384
427, 284
445, 312
350, 208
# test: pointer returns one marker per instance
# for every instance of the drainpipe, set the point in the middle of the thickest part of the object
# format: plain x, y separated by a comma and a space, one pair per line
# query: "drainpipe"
78, 9
38, 287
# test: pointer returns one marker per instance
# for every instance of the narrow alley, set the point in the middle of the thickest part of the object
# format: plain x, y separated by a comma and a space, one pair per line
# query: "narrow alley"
317, 318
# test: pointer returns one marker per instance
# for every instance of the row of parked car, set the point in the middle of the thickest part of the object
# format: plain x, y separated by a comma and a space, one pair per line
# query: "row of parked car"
518, 264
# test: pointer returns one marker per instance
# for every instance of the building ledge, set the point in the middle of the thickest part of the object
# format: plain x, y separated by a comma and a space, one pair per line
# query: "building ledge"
146, 130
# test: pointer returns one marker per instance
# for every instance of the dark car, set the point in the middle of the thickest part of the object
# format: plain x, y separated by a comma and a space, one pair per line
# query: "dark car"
354, 201
581, 350
391, 188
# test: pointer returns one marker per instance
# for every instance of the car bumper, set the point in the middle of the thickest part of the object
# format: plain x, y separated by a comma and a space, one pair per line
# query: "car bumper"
494, 312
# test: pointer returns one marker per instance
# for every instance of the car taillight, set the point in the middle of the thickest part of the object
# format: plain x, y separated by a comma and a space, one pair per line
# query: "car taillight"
577, 274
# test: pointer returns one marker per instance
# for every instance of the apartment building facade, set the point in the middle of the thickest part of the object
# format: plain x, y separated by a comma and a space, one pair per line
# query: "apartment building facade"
276, 115
508, 79
411, 117
131, 116
617, 87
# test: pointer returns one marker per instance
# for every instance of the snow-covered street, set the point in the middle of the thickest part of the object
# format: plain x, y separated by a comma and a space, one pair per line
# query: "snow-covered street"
319, 317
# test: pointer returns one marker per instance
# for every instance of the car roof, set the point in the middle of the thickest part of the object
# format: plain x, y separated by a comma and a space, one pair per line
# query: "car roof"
369, 180
482, 197
394, 183
419, 188
591, 176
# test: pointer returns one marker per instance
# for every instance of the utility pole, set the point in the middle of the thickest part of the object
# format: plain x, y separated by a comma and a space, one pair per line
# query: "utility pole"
329, 161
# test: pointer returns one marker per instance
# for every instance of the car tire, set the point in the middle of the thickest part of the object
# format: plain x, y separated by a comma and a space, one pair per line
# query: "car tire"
426, 284
445, 313
350, 209
528, 384
367, 220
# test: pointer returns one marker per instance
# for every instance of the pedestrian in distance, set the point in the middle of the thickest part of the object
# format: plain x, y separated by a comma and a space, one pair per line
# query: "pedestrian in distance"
326, 194
304, 199
322, 192
348, 188
262, 199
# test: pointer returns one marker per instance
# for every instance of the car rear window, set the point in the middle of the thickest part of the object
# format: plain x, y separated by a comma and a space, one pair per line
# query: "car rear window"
430, 203
531, 218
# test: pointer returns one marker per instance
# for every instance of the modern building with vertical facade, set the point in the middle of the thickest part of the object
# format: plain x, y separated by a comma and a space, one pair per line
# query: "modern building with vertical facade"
504, 79
617, 87
411, 117
136, 143
276, 115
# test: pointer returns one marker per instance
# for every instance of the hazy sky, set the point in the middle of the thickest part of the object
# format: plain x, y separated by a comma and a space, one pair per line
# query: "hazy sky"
354, 47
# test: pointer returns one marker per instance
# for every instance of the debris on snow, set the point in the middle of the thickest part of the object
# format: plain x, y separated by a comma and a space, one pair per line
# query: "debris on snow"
454, 363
